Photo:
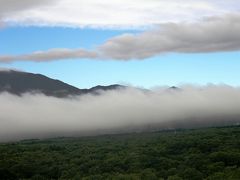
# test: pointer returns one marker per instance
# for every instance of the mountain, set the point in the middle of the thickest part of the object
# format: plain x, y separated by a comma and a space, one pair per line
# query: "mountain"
17, 82
105, 88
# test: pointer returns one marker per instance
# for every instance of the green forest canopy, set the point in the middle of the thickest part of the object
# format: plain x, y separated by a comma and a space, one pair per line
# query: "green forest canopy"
210, 153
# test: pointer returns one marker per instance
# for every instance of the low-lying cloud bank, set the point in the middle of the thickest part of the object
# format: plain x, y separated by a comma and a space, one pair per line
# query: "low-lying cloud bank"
215, 34
38, 116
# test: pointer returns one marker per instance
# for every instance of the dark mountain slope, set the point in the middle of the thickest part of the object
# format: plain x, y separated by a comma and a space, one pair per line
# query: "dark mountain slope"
98, 88
17, 82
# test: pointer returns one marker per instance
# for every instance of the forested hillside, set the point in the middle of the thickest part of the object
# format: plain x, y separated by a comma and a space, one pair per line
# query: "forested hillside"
211, 153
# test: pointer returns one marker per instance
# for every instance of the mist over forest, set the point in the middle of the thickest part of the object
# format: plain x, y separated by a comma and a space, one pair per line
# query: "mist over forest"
117, 111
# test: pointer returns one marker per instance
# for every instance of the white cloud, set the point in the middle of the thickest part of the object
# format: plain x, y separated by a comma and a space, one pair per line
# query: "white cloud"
33, 116
14, 7
213, 34
114, 13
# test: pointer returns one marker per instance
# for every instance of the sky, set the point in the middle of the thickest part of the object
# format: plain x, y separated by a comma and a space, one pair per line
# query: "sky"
142, 43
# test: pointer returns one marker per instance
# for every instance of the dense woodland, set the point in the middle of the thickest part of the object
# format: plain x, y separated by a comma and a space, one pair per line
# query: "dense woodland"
211, 153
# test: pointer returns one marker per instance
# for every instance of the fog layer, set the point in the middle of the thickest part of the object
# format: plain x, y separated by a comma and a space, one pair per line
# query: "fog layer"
124, 110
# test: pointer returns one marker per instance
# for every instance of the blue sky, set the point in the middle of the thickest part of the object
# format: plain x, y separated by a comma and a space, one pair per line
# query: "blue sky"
168, 68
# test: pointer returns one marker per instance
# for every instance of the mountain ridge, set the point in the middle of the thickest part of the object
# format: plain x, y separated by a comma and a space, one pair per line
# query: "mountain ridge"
18, 83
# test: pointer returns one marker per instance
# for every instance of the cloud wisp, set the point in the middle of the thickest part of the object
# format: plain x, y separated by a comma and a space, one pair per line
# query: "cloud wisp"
38, 116
215, 34
51, 55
